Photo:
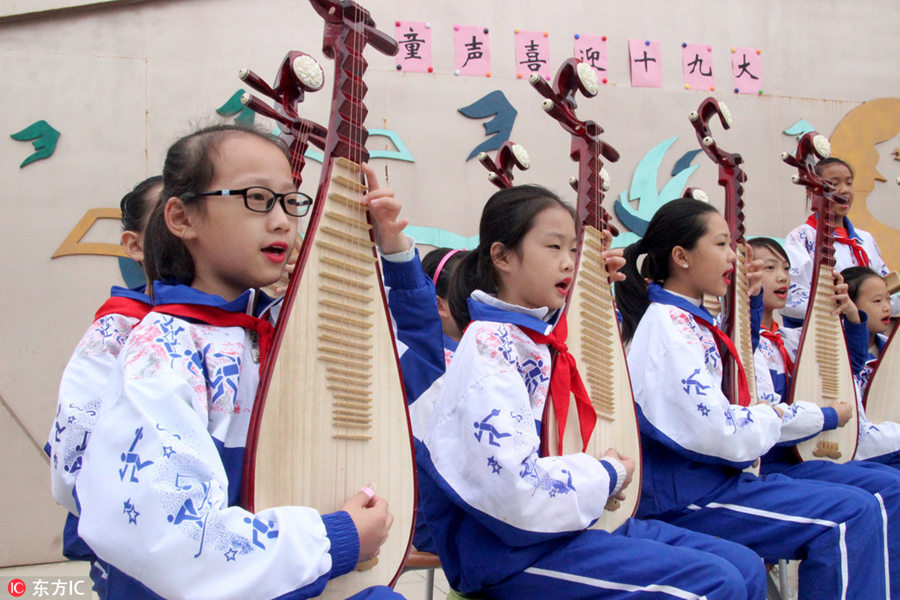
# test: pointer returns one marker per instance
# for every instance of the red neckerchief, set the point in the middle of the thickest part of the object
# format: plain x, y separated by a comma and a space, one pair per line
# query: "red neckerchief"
843, 237
565, 380
121, 305
218, 317
720, 337
771, 334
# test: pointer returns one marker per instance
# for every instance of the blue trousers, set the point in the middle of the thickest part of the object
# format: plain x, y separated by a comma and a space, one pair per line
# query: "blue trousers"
641, 559
835, 529
879, 480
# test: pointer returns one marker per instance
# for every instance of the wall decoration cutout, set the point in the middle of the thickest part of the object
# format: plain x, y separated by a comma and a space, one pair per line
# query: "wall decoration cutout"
441, 238
646, 63
73, 244
43, 138
746, 70
697, 65
472, 50
643, 189
243, 115
685, 161
799, 129
494, 105
532, 54
414, 39
592, 50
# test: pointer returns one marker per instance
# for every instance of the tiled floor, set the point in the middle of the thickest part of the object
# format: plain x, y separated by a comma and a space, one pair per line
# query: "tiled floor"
411, 584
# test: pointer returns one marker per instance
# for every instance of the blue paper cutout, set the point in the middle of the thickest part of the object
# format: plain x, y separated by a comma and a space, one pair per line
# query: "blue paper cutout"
234, 106
501, 125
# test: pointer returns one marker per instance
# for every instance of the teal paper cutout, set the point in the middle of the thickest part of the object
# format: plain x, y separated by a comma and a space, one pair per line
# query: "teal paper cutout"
643, 189
245, 116
401, 153
42, 136
685, 161
799, 129
441, 238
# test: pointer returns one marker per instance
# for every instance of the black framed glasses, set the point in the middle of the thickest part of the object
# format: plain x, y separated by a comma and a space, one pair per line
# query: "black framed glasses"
261, 199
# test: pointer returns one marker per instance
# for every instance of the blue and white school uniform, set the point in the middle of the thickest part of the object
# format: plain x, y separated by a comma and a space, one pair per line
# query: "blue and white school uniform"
800, 245
81, 387
510, 523
881, 481
878, 442
695, 443
421, 343
161, 478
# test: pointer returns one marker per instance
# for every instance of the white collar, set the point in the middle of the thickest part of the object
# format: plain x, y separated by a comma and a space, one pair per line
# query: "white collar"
541, 313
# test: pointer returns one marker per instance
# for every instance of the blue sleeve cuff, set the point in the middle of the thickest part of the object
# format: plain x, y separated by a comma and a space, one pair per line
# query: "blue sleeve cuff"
407, 275
857, 336
341, 530
613, 476
831, 418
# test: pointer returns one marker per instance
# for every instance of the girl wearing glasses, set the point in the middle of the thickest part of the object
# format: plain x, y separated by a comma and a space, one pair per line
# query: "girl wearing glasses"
161, 479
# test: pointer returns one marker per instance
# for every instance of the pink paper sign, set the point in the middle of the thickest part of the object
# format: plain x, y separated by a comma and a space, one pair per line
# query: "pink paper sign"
746, 70
414, 38
696, 59
532, 54
472, 47
592, 50
646, 63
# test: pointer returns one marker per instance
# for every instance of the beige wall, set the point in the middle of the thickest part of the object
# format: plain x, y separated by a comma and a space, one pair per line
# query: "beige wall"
122, 80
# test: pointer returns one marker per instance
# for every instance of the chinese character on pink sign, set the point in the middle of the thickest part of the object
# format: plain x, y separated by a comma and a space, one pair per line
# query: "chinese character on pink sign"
472, 47
746, 70
646, 63
532, 54
414, 38
696, 59
592, 50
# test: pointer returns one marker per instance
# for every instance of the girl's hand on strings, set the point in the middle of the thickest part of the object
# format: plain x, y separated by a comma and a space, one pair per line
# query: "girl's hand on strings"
613, 258
373, 520
844, 411
842, 300
384, 209
754, 272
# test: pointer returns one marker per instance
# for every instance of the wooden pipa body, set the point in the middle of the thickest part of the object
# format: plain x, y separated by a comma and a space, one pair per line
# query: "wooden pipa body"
822, 372
735, 305
594, 338
331, 414
882, 400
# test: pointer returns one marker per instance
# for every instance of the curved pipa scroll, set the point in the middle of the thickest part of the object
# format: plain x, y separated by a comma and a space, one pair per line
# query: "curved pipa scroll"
881, 396
335, 415
822, 373
595, 343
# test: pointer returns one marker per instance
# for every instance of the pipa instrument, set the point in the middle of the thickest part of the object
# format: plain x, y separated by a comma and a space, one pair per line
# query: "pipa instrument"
735, 308
822, 372
500, 169
594, 338
330, 414
881, 400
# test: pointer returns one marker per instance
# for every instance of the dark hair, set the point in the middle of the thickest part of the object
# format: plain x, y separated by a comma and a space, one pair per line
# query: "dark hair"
771, 245
831, 160
137, 205
188, 169
433, 259
507, 217
854, 277
680, 222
